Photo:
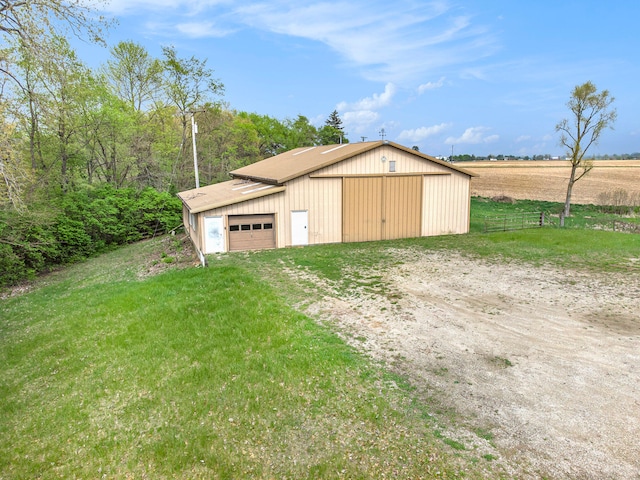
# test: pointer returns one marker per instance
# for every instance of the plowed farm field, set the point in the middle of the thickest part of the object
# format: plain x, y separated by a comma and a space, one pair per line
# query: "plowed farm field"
547, 180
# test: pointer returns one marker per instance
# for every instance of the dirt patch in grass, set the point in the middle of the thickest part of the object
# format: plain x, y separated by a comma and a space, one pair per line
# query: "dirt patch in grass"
131, 262
543, 361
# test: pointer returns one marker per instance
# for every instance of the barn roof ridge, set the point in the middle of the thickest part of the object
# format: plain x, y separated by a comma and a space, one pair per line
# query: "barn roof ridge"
270, 175
303, 160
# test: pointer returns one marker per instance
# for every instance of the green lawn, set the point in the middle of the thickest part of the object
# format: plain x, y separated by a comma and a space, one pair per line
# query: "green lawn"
210, 373
196, 373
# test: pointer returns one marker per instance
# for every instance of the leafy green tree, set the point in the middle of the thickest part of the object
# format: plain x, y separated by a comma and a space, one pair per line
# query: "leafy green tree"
134, 75
27, 94
300, 133
272, 133
66, 85
107, 128
228, 140
32, 24
12, 174
591, 115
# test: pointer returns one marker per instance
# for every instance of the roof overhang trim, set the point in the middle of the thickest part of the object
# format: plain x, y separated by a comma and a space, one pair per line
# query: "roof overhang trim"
259, 192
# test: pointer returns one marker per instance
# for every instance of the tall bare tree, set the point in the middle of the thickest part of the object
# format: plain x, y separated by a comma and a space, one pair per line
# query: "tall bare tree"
591, 115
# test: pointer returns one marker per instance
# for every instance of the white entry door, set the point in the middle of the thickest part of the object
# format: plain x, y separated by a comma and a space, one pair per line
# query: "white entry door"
213, 234
299, 227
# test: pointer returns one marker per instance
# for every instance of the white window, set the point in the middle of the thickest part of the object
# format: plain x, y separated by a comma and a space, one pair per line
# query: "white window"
193, 222
392, 165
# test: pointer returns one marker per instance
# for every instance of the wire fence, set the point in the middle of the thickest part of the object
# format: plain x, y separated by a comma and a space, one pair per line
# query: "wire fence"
521, 221
514, 221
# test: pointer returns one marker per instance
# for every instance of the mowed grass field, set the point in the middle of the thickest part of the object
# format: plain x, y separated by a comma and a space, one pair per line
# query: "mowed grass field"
547, 180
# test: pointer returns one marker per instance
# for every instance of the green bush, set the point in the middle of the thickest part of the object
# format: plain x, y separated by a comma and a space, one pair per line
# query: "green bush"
80, 224
12, 267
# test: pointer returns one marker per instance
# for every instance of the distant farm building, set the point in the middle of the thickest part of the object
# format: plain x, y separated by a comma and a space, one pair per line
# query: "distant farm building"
351, 192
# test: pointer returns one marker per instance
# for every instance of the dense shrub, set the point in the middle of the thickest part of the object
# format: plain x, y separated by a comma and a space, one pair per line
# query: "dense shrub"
80, 224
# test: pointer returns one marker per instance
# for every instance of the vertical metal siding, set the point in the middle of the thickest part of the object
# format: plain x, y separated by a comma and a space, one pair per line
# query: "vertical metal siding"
362, 217
377, 208
370, 163
321, 197
446, 205
402, 207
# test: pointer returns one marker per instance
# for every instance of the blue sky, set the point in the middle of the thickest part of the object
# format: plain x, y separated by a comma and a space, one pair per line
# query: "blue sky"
490, 77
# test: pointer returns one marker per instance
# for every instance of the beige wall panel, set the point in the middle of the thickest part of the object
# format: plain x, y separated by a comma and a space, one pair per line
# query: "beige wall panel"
325, 210
446, 205
322, 198
263, 205
370, 163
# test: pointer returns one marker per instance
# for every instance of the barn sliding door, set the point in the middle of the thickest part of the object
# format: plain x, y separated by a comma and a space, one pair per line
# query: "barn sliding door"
381, 208
362, 209
402, 200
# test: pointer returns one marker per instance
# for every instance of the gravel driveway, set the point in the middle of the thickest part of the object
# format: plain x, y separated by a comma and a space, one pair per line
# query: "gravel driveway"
546, 361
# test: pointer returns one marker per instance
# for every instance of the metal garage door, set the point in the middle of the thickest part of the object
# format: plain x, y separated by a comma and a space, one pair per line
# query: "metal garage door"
252, 232
381, 208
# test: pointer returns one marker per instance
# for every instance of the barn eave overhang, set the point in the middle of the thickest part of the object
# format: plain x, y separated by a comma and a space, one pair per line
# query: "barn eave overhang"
232, 201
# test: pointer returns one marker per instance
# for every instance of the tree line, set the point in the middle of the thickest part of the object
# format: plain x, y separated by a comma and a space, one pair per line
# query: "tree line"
128, 124
91, 158
480, 158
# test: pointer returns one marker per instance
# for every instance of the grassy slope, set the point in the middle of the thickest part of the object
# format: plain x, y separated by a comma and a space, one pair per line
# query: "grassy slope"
195, 373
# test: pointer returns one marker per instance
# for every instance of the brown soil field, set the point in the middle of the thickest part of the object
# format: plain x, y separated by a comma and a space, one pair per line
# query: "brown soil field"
547, 180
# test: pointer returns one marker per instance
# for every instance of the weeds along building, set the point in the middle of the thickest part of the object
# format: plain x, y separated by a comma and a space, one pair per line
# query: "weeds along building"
351, 192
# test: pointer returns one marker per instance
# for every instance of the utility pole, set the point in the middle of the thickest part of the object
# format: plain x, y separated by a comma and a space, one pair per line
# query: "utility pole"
194, 130
382, 133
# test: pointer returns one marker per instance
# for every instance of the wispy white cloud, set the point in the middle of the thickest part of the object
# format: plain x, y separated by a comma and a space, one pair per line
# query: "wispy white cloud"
431, 85
473, 136
359, 115
388, 41
358, 122
397, 42
202, 30
377, 100
185, 7
422, 133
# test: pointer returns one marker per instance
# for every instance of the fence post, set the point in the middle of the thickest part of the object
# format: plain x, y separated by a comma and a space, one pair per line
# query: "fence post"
542, 219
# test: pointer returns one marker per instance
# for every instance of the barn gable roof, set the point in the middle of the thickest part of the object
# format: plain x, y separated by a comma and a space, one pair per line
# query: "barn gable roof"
269, 176
298, 162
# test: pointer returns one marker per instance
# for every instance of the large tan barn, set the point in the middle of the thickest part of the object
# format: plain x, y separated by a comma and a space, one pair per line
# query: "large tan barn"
328, 194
